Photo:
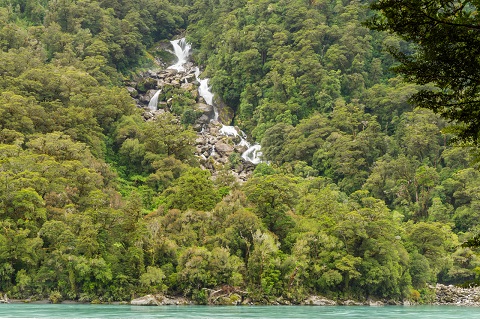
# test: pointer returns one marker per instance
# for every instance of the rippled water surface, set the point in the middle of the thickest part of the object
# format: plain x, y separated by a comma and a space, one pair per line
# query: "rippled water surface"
211, 312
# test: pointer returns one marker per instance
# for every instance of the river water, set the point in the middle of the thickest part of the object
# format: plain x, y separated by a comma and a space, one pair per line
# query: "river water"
234, 312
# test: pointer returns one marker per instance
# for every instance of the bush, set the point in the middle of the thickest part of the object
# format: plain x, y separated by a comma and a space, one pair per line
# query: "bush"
200, 297
55, 297
414, 295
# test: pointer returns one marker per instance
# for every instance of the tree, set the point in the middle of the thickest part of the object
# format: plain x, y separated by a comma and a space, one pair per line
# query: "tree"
433, 240
193, 190
273, 196
448, 45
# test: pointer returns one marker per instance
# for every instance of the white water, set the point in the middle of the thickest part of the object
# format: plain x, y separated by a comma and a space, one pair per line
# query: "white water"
253, 154
153, 104
230, 131
182, 51
204, 91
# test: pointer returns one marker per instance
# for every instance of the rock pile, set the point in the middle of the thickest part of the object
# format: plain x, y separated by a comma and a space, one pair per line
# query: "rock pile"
148, 83
214, 148
451, 295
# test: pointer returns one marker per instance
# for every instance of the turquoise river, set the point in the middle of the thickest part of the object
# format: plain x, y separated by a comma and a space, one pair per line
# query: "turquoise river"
232, 312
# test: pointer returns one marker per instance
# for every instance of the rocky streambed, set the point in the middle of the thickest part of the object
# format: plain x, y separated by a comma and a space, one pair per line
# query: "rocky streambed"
217, 146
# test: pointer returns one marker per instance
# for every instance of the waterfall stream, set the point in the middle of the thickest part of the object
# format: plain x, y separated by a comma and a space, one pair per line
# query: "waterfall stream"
152, 105
182, 51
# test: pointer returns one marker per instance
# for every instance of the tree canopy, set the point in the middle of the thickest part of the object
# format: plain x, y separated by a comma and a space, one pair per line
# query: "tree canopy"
445, 58
360, 193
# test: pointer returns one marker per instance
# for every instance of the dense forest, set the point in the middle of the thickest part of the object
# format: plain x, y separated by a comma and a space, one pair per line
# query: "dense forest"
361, 195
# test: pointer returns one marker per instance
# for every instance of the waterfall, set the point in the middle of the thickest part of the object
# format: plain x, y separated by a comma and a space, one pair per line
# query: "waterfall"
204, 91
253, 154
153, 104
229, 131
182, 51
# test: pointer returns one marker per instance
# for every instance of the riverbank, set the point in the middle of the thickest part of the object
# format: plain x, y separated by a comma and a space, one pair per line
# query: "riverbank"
443, 295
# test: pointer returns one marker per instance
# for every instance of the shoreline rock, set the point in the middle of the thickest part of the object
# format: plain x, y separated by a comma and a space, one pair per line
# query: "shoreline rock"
319, 301
445, 295
160, 300
452, 295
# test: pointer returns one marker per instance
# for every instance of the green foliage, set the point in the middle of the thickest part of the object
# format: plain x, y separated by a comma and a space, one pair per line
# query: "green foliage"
278, 62
444, 34
192, 190
362, 194
152, 280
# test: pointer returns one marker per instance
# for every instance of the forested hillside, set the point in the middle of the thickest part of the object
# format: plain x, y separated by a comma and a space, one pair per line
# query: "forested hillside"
360, 195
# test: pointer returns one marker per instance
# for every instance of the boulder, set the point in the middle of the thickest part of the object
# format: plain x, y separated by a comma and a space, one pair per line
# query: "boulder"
350, 302
223, 148
132, 91
195, 94
167, 73
152, 74
200, 140
202, 120
375, 303
146, 84
162, 83
247, 301
205, 109
197, 127
319, 301
188, 87
159, 300
240, 148
148, 300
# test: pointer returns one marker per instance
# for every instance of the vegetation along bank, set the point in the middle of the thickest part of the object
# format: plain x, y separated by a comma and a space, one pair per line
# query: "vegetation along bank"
360, 195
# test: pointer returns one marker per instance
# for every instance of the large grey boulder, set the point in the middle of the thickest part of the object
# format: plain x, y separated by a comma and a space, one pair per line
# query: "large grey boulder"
319, 301
205, 109
159, 300
148, 300
132, 91
223, 148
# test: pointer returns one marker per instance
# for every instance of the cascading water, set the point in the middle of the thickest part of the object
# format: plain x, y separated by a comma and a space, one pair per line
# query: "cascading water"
205, 92
182, 51
253, 154
153, 104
